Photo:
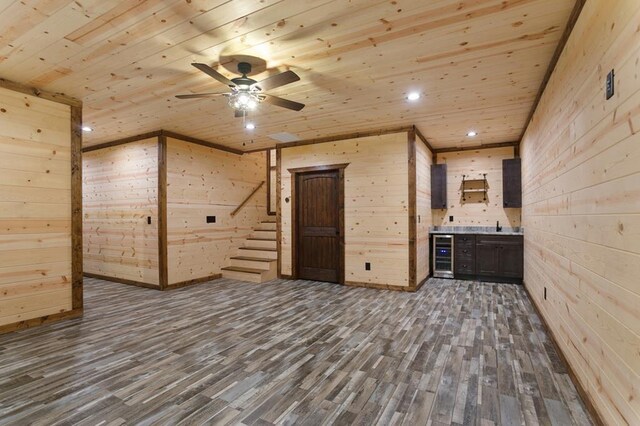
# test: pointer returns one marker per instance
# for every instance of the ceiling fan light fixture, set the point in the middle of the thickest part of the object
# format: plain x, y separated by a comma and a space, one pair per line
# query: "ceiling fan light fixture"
244, 101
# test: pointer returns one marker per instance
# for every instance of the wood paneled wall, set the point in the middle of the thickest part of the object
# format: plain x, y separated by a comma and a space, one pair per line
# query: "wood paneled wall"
376, 204
423, 209
37, 147
581, 211
475, 211
120, 194
204, 182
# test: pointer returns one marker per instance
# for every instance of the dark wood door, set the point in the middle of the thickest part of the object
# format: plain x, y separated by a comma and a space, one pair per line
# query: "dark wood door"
487, 258
318, 252
511, 257
439, 186
511, 183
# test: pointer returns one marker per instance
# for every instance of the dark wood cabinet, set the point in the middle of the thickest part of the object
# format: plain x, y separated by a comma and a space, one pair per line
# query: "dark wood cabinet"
464, 262
494, 258
438, 186
512, 183
499, 257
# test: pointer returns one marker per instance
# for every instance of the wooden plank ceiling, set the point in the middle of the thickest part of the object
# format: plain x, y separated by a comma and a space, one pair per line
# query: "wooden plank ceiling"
477, 63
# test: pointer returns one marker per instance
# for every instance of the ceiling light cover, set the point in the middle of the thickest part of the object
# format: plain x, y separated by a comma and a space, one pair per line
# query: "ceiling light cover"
413, 96
87, 129
250, 126
244, 100
472, 134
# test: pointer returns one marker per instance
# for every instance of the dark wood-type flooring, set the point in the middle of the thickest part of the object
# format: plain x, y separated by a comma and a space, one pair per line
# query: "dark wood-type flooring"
288, 352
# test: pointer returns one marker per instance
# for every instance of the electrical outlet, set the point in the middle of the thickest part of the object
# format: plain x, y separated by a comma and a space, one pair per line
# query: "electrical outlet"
367, 266
610, 86
211, 219
545, 293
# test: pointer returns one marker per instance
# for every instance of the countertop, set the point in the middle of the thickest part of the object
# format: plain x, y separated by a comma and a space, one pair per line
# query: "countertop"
480, 230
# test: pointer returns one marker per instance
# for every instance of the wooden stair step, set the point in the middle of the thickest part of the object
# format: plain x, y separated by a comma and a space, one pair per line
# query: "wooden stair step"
243, 269
253, 259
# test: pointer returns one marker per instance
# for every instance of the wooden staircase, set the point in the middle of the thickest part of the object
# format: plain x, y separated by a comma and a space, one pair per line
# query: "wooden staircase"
257, 259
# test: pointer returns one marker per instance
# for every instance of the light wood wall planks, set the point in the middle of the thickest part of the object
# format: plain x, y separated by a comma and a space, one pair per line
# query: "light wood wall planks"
376, 204
475, 211
581, 211
423, 209
120, 194
35, 209
208, 182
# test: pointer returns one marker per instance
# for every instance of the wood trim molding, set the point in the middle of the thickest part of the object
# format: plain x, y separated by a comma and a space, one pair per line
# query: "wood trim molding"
163, 270
346, 136
423, 139
341, 222
193, 282
573, 18
121, 281
123, 141
269, 168
76, 208
166, 134
477, 147
413, 227
586, 398
50, 96
202, 142
246, 200
380, 286
320, 168
34, 322
279, 209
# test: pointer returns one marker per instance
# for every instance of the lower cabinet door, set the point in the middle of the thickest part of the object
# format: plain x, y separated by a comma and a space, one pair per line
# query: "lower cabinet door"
487, 261
510, 259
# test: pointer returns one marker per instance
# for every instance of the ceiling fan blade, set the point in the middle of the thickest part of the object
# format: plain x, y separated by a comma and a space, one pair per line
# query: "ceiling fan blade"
213, 73
284, 103
200, 95
239, 113
278, 80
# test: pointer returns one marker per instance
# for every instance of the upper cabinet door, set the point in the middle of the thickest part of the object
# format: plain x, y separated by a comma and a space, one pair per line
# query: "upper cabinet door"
511, 183
438, 186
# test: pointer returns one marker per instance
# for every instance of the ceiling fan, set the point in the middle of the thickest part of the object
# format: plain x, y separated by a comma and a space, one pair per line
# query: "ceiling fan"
246, 93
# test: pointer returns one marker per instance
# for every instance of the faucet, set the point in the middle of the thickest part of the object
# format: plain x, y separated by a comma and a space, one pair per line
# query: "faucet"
498, 227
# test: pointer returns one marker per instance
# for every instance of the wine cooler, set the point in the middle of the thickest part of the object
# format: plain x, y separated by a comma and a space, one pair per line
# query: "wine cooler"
443, 256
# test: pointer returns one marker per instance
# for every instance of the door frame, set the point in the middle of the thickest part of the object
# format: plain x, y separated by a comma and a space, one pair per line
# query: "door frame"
294, 214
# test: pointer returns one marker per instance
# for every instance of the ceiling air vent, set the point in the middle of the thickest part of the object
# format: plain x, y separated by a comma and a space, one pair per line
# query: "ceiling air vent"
284, 137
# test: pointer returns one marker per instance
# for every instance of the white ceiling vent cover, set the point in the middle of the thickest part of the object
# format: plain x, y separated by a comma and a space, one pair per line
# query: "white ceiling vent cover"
284, 137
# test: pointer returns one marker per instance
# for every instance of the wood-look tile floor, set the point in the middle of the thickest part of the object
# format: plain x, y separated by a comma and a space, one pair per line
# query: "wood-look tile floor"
288, 352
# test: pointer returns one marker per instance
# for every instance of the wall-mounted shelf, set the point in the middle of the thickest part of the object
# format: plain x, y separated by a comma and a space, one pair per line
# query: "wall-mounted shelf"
469, 186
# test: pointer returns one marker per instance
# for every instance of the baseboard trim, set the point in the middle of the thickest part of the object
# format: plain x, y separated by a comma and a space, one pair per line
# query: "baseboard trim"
34, 322
380, 286
121, 281
193, 282
588, 402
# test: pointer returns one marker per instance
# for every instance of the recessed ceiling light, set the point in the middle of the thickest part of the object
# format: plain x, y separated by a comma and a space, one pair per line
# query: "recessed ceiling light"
250, 126
87, 129
413, 96
472, 134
